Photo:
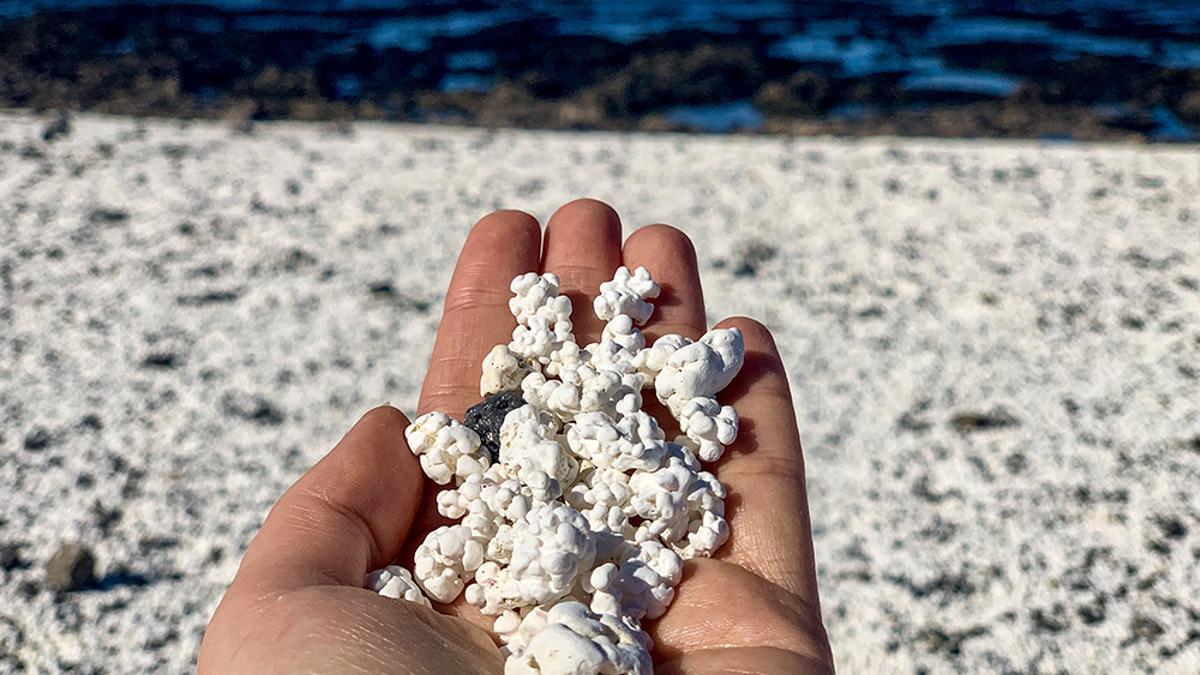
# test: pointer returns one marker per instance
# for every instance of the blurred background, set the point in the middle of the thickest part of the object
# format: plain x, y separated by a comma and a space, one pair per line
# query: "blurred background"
1048, 69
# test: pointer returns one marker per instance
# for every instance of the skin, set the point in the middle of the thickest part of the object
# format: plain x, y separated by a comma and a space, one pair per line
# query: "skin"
297, 604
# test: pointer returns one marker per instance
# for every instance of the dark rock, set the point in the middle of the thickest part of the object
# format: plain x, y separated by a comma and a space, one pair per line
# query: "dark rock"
39, 439
1171, 527
209, 298
941, 640
751, 256
1094, 612
71, 568
911, 422
997, 418
486, 417
1143, 627
107, 216
804, 93
251, 408
10, 556
107, 519
59, 127
161, 360
385, 291
1053, 621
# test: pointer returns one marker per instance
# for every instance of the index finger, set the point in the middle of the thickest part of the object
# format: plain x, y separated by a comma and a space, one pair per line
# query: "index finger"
501, 246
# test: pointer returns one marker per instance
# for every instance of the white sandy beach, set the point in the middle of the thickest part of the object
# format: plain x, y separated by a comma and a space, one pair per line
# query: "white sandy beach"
190, 316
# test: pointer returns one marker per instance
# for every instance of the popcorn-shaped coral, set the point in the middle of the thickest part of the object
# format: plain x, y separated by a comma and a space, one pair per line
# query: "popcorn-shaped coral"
445, 448
575, 513
627, 294
502, 370
570, 638
551, 547
535, 296
540, 338
445, 560
681, 507
396, 582
603, 496
709, 425
641, 584
635, 442
621, 331
530, 452
651, 360
700, 369
584, 389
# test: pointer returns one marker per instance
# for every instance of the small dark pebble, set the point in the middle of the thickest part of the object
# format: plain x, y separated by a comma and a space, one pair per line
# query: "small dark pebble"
71, 568
10, 556
485, 418
981, 421
59, 127
1145, 628
1171, 527
38, 439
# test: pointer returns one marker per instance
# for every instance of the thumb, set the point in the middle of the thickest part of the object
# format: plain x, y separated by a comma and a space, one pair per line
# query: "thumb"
347, 515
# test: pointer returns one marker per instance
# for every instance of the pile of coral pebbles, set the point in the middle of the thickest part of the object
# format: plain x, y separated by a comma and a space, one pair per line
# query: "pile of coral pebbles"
576, 513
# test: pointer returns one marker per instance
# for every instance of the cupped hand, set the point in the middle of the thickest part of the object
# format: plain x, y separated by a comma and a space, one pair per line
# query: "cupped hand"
297, 604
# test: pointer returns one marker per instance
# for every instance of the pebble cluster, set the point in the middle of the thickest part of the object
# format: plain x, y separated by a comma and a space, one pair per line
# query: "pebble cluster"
575, 513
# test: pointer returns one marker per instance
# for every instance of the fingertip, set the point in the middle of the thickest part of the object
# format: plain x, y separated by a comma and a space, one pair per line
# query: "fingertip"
586, 209
582, 245
385, 416
670, 256
660, 236
753, 332
508, 227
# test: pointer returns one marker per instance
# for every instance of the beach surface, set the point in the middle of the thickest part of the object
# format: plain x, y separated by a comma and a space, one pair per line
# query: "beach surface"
994, 350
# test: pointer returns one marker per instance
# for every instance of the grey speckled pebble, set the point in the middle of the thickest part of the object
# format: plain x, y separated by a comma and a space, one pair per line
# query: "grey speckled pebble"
994, 350
71, 568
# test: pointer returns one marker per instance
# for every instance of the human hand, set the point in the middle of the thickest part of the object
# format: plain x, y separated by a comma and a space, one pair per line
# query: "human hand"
297, 604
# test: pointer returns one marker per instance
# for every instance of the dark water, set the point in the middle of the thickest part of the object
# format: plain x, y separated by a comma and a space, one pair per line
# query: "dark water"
905, 40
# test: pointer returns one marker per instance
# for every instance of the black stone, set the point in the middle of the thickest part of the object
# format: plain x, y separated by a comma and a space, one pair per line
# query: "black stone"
485, 418
10, 556
38, 439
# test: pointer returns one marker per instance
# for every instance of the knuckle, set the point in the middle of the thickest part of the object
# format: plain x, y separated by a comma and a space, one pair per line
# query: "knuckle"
473, 298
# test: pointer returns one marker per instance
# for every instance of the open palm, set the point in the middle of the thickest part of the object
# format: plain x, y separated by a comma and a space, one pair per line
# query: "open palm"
297, 606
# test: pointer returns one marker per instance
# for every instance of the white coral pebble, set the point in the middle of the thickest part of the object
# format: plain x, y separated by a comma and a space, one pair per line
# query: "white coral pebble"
640, 584
627, 294
445, 448
635, 442
502, 370
394, 581
445, 560
536, 296
700, 369
551, 547
710, 425
682, 507
571, 639
651, 360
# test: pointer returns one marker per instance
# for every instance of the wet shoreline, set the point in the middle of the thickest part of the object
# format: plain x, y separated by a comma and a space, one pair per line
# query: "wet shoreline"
1058, 75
